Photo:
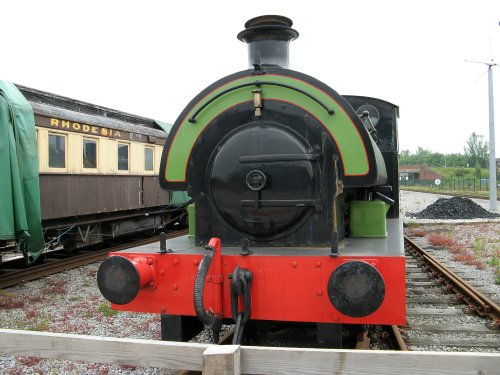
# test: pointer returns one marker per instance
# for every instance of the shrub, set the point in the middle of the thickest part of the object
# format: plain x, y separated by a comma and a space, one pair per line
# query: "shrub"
28, 361
437, 239
418, 233
57, 286
9, 300
33, 298
92, 273
463, 257
31, 313
456, 249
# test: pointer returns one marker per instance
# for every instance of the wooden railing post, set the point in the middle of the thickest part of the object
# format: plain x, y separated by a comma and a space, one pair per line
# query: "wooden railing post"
222, 360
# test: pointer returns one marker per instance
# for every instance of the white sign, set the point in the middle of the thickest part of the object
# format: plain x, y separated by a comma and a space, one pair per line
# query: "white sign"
437, 182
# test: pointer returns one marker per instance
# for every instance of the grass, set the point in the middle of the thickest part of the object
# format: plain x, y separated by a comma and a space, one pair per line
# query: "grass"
411, 225
479, 247
9, 300
35, 321
106, 310
41, 324
494, 262
451, 172
20, 324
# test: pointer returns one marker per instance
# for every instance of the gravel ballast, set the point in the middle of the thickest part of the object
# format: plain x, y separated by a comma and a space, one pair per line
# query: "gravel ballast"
476, 268
70, 302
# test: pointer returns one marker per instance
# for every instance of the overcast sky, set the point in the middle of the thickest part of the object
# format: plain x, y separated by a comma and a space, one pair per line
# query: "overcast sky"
151, 57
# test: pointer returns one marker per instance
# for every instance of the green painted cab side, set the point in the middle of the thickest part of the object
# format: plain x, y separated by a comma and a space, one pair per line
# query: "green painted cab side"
191, 221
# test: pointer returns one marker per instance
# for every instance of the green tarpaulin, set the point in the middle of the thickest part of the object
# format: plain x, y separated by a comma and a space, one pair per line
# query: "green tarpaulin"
20, 216
179, 198
165, 126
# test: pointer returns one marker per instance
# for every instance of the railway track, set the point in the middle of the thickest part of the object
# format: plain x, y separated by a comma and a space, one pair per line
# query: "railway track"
446, 311
10, 277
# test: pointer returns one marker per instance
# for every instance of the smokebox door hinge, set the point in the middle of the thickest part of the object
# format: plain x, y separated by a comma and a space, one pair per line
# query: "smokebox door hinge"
257, 102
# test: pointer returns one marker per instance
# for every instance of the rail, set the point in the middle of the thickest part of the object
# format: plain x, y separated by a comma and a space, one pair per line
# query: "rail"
475, 300
236, 359
35, 272
398, 338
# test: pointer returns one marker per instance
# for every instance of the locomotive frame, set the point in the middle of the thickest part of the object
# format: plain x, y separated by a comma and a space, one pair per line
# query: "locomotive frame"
296, 206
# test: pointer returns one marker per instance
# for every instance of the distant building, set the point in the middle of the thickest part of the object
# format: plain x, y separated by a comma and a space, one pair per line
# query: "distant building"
417, 172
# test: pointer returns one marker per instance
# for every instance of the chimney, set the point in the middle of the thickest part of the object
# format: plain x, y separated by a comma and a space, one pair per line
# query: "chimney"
268, 39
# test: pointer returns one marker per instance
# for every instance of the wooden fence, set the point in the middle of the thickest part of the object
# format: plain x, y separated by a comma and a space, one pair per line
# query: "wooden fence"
235, 359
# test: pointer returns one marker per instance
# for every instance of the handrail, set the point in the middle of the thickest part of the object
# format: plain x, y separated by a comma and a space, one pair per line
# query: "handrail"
192, 119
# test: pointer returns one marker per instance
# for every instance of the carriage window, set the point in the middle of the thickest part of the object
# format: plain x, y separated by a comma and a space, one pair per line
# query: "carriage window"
57, 151
89, 153
148, 158
122, 157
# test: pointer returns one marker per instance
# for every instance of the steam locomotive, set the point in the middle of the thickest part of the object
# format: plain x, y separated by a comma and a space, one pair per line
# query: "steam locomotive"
296, 206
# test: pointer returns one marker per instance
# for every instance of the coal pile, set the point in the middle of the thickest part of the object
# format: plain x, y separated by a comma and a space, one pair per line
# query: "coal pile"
454, 208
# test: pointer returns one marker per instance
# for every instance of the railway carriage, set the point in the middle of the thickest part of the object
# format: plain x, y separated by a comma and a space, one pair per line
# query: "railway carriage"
296, 206
97, 171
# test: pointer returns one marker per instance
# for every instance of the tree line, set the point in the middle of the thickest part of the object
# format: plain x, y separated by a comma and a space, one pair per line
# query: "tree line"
476, 155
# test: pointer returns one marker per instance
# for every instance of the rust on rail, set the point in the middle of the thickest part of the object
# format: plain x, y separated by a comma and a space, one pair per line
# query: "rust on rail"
36, 272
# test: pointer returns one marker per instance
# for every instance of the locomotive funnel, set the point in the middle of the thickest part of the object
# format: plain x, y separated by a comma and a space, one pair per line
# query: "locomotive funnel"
268, 39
